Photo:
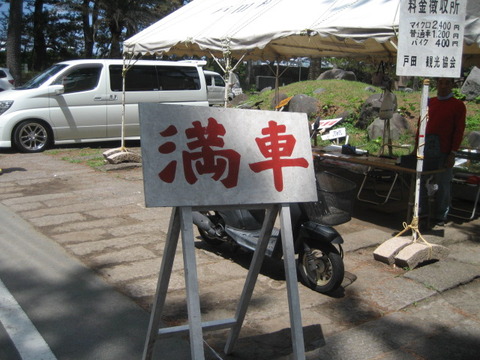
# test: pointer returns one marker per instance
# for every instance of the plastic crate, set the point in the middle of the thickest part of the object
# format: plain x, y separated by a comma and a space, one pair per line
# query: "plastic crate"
335, 200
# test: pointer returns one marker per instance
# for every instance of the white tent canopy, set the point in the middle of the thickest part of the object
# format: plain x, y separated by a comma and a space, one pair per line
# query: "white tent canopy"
282, 29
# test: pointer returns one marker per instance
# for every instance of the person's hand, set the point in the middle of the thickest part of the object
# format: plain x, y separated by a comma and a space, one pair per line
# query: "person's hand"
449, 161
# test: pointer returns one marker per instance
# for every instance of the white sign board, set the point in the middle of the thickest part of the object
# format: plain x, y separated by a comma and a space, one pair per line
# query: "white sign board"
203, 156
430, 41
335, 134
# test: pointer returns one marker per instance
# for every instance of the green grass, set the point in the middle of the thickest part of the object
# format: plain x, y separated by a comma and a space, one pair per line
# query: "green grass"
340, 96
92, 157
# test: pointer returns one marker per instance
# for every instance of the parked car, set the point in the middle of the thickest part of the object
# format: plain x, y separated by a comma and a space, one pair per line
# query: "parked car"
81, 101
6, 80
216, 88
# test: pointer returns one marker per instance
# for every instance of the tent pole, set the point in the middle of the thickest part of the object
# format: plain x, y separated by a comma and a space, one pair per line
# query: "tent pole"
228, 60
420, 151
121, 154
277, 83
124, 75
277, 74
227, 70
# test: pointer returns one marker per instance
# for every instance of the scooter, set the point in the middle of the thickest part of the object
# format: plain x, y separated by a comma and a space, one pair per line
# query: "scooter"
318, 245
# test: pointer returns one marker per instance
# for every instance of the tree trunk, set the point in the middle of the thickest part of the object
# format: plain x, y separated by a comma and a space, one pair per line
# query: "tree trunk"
315, 68
39, 43
115, 52
88, 32
14, 34
116, 32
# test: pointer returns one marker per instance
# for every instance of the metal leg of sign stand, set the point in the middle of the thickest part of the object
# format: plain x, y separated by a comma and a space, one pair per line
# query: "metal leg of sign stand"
162, 284
291, 277
191, 284
252, 276
292, 283
181, 220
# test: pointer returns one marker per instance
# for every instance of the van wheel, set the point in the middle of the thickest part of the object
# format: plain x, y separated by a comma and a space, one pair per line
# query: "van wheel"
31, 136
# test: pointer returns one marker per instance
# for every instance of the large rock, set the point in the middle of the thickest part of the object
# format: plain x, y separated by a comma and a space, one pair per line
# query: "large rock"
474, 139
304, 104
398, 126
239, 99
338, 74
281, 96
369, 110
471, 86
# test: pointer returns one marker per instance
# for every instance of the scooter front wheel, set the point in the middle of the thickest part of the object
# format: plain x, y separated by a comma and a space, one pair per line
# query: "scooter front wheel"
321, 267
211, 240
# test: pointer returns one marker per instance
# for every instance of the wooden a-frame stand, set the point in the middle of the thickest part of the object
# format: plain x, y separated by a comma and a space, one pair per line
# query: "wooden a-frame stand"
181, 221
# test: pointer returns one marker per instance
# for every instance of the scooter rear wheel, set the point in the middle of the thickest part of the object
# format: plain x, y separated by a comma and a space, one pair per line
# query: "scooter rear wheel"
321, 268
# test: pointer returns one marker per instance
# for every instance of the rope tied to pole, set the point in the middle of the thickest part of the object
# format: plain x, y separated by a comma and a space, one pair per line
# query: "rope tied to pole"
414, 227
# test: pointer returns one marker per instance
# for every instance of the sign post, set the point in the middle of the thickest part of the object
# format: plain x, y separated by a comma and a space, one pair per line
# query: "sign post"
197, 158
430, 44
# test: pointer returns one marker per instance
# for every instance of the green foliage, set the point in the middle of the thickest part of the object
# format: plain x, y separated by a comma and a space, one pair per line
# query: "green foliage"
60, 29
340, 96
458, 94
473, 122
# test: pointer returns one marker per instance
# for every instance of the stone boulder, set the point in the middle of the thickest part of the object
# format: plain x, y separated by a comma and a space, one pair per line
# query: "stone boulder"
239, 99
474, 139
398, 126
369, 110
303, 104
471, 86
281, 96
338, 74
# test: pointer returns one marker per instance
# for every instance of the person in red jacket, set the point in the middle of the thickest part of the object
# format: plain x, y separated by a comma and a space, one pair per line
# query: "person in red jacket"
446, 125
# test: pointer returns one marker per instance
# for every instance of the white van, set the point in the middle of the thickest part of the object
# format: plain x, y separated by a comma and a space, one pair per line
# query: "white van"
216, 88
81, 101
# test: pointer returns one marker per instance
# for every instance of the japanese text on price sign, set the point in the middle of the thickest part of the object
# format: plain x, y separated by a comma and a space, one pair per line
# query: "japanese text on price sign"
199, 156
431, 38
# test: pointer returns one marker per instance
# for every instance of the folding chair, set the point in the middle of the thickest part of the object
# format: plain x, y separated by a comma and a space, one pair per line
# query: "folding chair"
462, 180
378, 177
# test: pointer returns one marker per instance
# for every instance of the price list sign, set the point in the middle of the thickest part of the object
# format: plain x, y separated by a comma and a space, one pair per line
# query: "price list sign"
430, 40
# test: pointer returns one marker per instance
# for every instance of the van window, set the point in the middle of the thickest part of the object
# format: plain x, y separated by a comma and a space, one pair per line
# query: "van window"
178, 78
80, 79
153, 78
42, 77
139, 78
219, 81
